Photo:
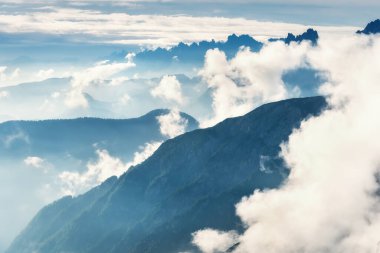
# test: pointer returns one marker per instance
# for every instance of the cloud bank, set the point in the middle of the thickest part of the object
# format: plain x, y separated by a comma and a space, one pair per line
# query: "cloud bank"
330, 202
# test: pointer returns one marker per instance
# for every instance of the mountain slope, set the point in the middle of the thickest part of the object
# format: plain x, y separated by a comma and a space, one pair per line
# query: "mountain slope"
33, 155
191, 182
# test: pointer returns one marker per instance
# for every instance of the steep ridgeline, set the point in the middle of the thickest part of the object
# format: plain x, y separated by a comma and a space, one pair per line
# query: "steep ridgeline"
193, 53
371, 28
55, 139
310, 35
191, 182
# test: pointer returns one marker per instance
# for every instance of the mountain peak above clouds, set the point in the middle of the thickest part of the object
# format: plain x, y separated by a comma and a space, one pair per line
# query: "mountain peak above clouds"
371, 28
194, 52
310, 35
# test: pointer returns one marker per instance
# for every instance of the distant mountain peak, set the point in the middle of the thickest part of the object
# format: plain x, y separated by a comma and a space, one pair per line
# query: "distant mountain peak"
371, 28
310, 35
195, 51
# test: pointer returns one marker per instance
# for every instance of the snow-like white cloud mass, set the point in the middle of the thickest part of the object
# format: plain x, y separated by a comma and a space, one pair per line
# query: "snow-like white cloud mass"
106, 166
330, 202
172, 124
212, 241
169, 89
250, 78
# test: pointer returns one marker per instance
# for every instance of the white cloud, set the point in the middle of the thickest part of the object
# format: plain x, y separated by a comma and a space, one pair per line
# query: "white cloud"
169, 89
211, 241
106, 166
249, 79
38, 163
91, 76
148, 30
172, 124
44, 74
34, 161
330, 201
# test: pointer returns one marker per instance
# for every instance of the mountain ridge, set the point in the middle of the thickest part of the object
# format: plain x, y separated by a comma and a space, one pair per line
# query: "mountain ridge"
155, 206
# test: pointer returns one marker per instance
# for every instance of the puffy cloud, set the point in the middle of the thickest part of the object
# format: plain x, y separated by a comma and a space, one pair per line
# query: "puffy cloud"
172, 124
34, 161
38, 163
44, 74
169, 89
211, 241
330, 202
250, 78
91, 76
106, 166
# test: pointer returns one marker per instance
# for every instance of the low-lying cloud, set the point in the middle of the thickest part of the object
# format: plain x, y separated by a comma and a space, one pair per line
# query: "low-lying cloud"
74, 183
330, 202
172, 124
94, 75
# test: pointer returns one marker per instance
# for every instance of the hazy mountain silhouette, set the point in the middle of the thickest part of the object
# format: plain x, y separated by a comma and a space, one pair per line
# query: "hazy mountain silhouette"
193, 53
191, 182
55, 138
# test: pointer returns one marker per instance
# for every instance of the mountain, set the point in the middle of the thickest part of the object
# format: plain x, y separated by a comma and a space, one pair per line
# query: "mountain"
57, 146
55, 138
371, 28
310, 35
191, 182
195, 52
185, 54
